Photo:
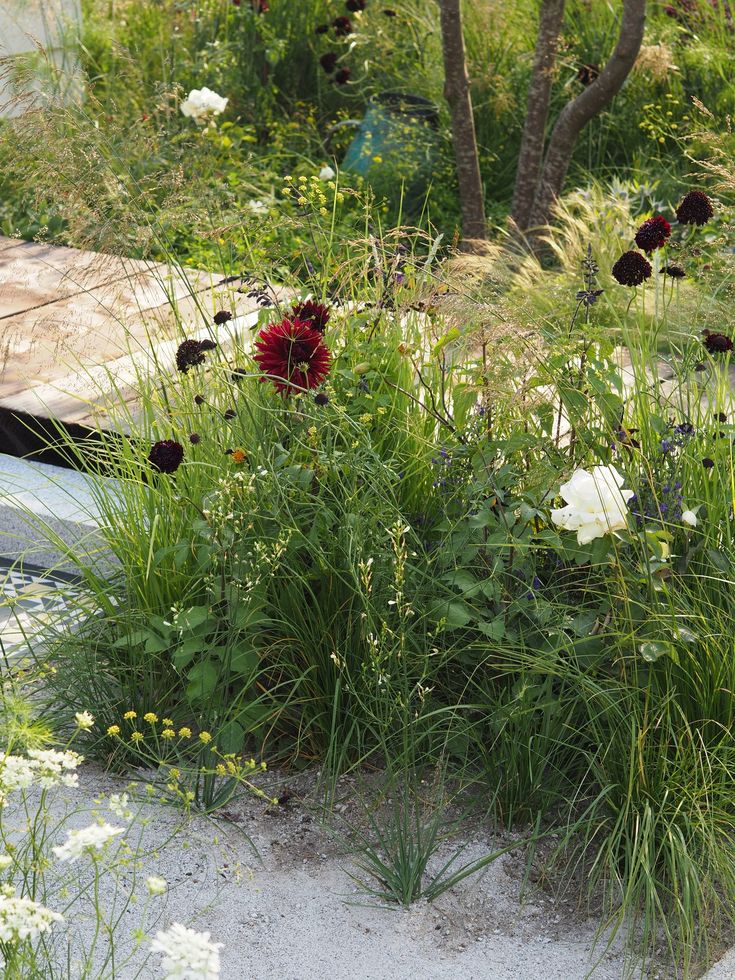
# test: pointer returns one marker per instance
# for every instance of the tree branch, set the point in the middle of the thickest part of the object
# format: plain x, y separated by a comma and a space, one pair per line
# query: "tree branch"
457, 94
577, 113
537, 112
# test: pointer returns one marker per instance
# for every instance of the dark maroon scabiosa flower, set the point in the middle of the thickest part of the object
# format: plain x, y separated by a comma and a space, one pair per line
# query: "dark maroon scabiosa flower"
653, 233
195, 438
322, 398
708, 463
321, 29
721, 416
695, 209
675, 271
222, 316
239, 373
716, 343
390, 13
229, 414
198, 399
189, 354
328, 61
342, 77
293, 354
315, 315
354, 6
632, 269
342, 26
207, 345
587, 74
166, 455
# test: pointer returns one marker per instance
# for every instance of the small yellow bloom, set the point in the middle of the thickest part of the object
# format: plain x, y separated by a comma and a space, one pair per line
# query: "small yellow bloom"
205, 737
137, 737
168, 733
113, 730
301, 201
129, 715
168, 722
150, 717
220, 770
185, 732
174, 774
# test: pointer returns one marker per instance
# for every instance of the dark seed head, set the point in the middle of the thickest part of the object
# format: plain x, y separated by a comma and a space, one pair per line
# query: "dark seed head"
708, 463
342, 26
189, 354
166, 455
632, 269
321, 398
653, 233
695, 209
342, 77
717, 343
195, 438
198, 399
721, 416
222, 316
675, 271
230, 414
328, 61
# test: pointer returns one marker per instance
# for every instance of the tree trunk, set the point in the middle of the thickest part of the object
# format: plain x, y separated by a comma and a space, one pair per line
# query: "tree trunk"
457, 94
537, 112
576, 114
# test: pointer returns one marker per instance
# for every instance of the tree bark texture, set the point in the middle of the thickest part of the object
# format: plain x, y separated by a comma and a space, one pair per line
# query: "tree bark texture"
576, 114
537, 112
457, 94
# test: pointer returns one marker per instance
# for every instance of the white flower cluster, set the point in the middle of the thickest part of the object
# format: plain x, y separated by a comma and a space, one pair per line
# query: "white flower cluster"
203, 103
596, 503
88, 839
41, 767
22, 918
187, 954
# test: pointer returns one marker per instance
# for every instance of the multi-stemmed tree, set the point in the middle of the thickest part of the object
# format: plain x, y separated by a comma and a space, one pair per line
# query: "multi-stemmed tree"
543, 162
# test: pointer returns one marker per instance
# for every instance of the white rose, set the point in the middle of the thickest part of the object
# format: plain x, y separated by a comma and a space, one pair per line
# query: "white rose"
326, 173
690, 518
596, 503
202, 103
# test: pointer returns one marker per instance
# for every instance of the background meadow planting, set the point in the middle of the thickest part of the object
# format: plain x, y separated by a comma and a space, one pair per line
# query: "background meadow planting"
461, 518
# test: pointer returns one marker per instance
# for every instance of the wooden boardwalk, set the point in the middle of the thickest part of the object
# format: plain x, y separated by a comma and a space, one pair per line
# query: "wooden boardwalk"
72, 320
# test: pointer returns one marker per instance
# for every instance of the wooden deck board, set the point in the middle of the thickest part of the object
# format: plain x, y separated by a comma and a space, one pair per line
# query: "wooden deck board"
78, 329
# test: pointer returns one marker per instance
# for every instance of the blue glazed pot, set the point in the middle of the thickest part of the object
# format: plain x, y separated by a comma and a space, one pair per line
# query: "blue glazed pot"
395, 145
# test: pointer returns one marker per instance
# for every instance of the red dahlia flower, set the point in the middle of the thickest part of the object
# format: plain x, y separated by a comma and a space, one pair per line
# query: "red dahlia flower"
653, 233
293, 355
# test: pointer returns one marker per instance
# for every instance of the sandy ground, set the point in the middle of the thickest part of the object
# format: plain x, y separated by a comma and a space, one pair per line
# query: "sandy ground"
272, 885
